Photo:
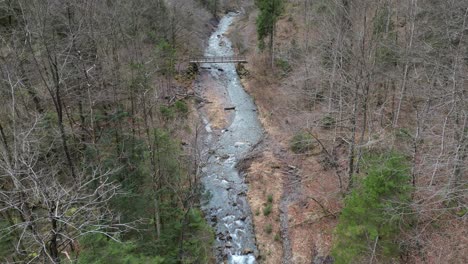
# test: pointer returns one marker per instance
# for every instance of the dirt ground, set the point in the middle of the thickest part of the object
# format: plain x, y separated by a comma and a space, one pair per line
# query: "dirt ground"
300, 180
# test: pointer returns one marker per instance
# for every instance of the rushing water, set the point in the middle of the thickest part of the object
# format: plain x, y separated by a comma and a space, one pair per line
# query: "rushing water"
227, 208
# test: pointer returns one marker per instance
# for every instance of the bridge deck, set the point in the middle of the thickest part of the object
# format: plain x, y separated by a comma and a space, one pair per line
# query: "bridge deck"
231, 59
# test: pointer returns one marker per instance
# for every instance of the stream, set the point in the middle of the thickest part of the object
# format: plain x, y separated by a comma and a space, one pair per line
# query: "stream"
225, 204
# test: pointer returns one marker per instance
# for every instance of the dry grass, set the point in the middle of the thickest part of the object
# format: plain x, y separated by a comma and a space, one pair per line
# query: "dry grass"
264, 179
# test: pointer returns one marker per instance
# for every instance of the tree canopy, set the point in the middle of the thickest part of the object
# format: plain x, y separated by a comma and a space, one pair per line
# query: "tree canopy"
370, 222
270, 11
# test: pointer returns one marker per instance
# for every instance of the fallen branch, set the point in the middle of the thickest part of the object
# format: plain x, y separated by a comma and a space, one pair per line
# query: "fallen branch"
310, 221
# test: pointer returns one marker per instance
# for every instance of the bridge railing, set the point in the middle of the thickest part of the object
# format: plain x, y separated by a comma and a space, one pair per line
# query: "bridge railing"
218, 59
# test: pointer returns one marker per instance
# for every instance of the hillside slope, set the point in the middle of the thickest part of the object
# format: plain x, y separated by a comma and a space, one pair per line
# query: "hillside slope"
352, 80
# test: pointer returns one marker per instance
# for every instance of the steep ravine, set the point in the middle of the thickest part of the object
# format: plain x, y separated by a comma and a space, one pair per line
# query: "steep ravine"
226, 206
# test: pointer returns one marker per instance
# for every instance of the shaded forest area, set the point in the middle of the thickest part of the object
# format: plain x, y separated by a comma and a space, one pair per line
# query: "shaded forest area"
98, 137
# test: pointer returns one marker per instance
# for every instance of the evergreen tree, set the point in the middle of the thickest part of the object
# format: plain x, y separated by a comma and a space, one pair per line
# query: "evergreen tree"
270, 10
370, 222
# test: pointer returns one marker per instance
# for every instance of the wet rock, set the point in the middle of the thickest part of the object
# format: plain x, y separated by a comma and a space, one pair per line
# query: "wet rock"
221, 236
221, 70
247, 251
225, 157
214, 219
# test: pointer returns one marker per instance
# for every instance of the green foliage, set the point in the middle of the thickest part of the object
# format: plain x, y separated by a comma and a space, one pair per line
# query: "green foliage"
179, 108
185, 236
270, 10
386, 55
268, 229
50, 119
383, 22
196, 233
267, 209
277, 237
435, 40
270, 198
461, 212
103, 132
284, 66
302, 142
327, 122
374, 210
268, 206
167, 112
166, 58
403, 134
101, 249
6, 248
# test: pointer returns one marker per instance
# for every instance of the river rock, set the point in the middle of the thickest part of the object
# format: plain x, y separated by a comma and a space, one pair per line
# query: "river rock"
247, 251
214, 218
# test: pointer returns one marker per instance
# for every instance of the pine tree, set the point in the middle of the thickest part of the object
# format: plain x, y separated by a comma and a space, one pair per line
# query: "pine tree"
270, 11
372, 217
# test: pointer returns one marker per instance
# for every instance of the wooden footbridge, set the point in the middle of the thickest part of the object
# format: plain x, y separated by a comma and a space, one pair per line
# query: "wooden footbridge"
214, 59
